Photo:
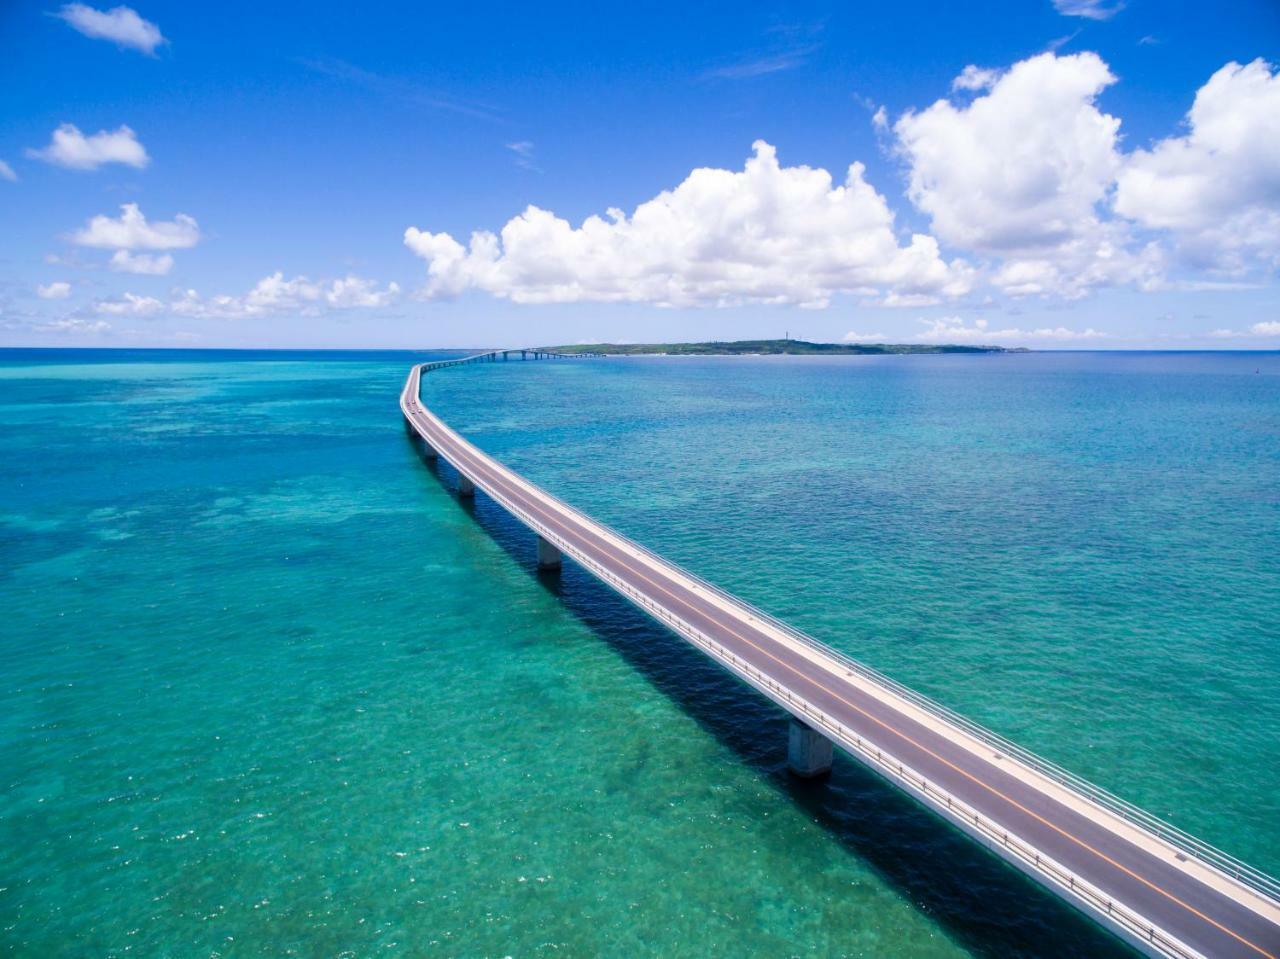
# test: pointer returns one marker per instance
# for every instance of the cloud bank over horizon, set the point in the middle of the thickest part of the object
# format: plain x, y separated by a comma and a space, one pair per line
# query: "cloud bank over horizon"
271, 295
1021, 176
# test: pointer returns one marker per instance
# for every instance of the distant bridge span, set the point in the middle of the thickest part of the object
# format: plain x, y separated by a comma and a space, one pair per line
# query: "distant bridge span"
1159, 889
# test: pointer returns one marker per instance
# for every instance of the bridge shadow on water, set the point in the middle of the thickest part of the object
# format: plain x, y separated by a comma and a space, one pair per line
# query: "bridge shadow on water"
982, 904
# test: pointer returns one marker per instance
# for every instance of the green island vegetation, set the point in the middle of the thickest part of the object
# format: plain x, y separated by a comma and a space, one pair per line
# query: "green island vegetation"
770, 348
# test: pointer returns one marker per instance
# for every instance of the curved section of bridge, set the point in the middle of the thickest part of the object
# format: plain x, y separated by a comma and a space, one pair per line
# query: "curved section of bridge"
1161, 890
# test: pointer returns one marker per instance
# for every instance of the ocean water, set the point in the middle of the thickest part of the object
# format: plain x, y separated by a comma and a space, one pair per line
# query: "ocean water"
271, 689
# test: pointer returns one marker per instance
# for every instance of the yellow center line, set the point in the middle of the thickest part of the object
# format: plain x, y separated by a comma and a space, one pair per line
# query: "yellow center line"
886, 726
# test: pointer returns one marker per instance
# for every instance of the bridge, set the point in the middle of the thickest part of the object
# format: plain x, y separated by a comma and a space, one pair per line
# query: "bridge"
527, 353
1156, 887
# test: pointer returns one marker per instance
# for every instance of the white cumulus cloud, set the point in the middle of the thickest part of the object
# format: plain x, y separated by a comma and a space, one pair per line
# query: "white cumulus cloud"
975, 78
271, 294
147, 264
765, 234
1268, 328
1023, 172
121, 25
274, 294
354, 291
1217, 188
953, 329
58, 290
73, 324
853, 336
130, 304
131, 231
1021, 167
70, 148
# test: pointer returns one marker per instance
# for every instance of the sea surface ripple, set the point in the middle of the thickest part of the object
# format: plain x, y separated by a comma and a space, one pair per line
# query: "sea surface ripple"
271, 689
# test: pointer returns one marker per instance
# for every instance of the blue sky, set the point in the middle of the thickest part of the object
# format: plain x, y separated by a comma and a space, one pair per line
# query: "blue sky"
1056, 175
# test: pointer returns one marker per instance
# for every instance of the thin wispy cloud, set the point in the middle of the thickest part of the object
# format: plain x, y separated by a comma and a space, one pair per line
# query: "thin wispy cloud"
1213, 286
1053, 46
759, 66
400, 88
1089, 9
792, 47
523, 149
6, 173
73, 325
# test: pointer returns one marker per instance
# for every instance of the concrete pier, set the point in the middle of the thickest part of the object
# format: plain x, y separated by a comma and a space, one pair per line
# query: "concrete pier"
548, 556
808, 751
466, 487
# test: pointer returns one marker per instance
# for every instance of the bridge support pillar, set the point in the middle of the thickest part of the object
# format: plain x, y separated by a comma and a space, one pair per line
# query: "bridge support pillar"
809, 753
466, 488
548, 556
428, 451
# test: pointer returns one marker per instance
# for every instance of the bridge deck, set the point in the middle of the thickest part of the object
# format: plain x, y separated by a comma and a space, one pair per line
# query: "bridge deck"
1148, 890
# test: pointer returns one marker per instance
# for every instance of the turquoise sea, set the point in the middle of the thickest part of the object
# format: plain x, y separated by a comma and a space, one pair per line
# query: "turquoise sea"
270, 689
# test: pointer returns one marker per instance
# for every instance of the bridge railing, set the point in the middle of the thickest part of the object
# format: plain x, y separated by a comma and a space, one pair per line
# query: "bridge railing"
971, 818
1183, 841
995, 834
1236, 868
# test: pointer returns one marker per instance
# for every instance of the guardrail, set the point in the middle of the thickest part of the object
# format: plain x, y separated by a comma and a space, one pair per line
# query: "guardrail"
941, 798
1249, 876
957, 809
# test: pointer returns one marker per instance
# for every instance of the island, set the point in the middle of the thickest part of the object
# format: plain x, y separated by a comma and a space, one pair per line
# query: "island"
770, 348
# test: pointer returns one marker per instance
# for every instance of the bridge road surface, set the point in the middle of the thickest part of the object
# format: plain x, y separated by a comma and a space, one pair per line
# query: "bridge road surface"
1124, 876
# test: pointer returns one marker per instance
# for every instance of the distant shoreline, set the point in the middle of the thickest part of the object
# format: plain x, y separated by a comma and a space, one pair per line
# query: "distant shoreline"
773, 348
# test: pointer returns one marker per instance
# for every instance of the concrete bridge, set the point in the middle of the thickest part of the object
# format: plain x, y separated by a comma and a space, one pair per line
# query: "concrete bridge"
527, 353
1159, 889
